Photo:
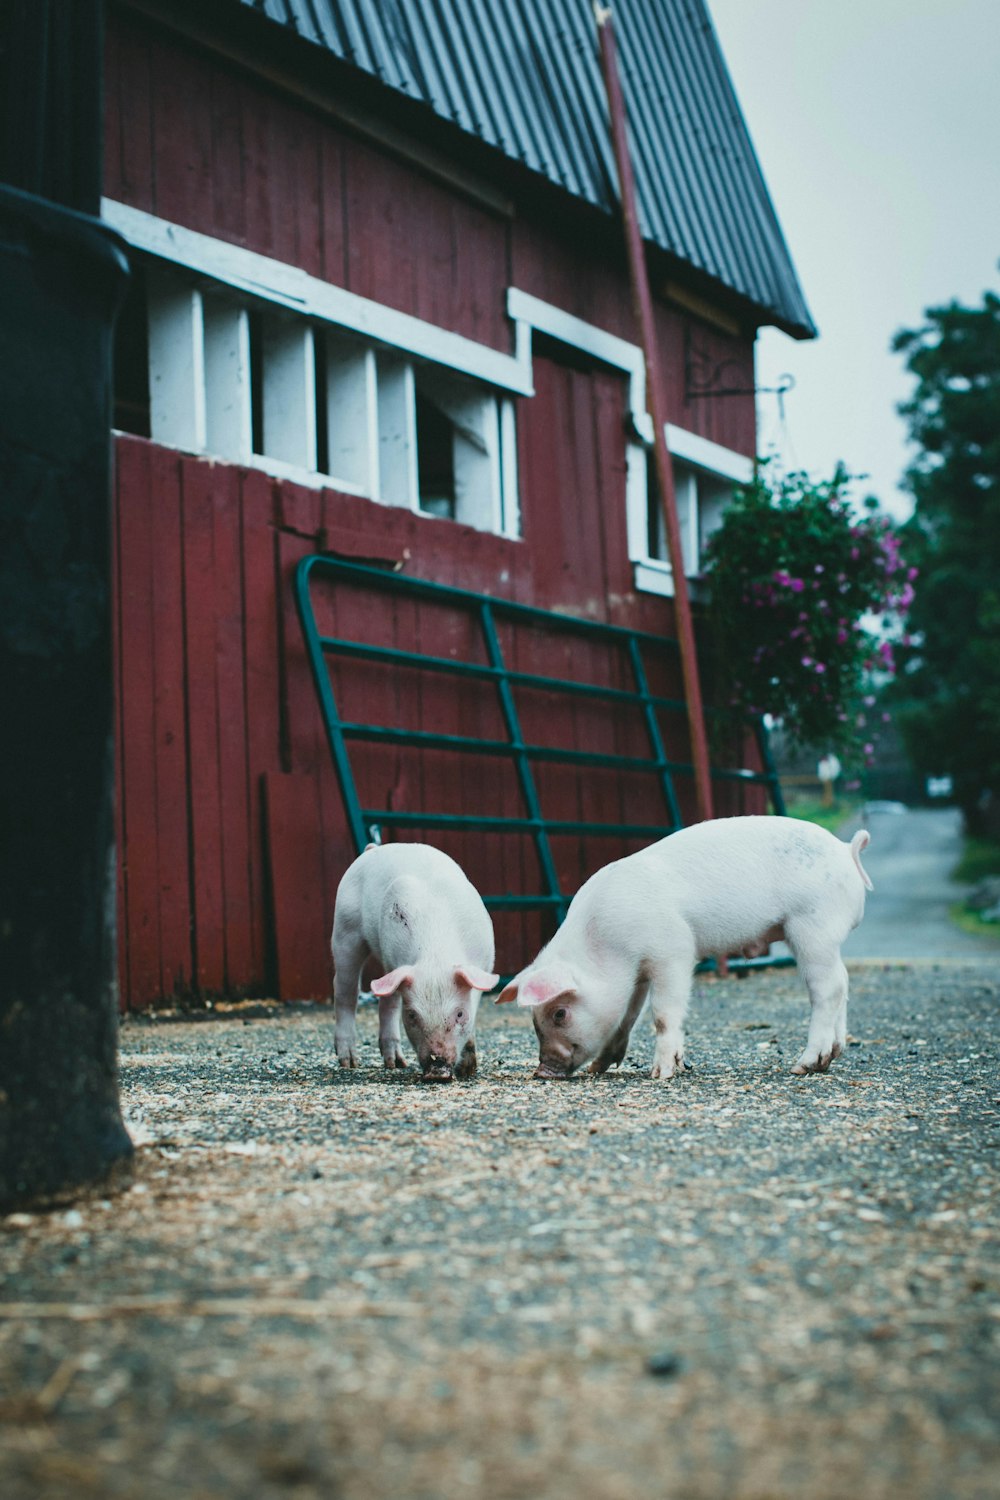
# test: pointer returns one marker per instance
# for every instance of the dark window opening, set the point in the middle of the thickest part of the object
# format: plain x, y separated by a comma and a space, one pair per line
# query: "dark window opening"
256, 337
322, 416
656, 541
435, 460
131, 360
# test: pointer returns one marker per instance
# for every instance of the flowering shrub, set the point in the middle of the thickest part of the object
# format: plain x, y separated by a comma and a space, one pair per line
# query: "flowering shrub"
799, 583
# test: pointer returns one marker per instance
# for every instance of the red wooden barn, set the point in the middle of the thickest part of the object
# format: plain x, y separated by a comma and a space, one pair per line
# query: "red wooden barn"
381, 312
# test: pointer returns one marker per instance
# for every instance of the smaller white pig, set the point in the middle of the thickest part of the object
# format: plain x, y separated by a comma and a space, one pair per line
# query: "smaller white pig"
411, 908
636, 929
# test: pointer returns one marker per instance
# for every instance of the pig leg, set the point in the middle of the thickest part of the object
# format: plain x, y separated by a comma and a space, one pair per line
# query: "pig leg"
669, 994
613, 1053
349, 955
468, 1062
614, 1050
826, 980
389, 1039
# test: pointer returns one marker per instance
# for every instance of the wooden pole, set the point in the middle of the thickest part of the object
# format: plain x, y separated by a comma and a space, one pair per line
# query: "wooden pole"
643, 304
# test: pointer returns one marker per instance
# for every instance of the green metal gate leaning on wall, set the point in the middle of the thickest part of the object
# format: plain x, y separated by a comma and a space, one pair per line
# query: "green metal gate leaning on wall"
540, 745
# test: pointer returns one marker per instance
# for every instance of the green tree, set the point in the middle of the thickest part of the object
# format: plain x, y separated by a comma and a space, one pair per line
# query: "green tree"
798, 575
948, 689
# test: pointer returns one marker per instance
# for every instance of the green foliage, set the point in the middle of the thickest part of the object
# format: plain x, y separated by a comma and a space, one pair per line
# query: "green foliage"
980, 857
796, 576
948, 692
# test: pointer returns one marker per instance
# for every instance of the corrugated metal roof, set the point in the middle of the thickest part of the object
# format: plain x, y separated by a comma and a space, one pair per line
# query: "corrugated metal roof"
524, 76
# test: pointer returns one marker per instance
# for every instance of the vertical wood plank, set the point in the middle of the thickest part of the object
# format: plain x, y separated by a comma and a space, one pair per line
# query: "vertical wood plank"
200, 481
333, 223
121, 905
180, 89
129, 155
262, 688
298, 906
163, 500
136, 773
226, 137
234, 787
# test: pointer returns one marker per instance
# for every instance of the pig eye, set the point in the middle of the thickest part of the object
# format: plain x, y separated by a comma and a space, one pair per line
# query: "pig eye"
460, 1015
559, 1015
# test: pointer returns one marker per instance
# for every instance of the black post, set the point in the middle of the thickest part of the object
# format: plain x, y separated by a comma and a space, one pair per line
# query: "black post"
62, 276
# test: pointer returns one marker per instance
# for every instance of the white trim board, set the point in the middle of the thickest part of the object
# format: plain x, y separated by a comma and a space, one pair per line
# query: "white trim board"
712, 457
274, 281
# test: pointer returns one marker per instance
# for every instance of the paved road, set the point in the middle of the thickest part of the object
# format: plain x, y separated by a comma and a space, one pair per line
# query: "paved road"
910, 860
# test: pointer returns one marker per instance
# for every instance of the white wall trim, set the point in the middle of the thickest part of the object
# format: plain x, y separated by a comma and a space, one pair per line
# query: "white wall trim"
712, 457
587, 337
274, 281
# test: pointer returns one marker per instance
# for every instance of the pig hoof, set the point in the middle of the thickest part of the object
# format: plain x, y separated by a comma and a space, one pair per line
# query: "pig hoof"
348, 1059
819, 1063
664, 1067
393, 1058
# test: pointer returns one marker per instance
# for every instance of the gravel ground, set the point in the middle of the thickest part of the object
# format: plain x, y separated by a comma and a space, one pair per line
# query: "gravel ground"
737, 1286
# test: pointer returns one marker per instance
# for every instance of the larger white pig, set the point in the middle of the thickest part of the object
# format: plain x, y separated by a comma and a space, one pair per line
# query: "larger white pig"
636, 929
412, 908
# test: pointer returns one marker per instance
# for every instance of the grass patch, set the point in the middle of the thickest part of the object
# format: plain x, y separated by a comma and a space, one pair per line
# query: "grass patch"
971, 921
830, 816
980, 857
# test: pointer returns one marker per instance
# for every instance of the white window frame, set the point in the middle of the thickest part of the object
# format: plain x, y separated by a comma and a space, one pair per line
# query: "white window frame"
201, 379
699, 457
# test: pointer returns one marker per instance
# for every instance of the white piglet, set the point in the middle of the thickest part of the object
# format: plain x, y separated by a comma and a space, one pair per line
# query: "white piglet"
636, 929
411, 908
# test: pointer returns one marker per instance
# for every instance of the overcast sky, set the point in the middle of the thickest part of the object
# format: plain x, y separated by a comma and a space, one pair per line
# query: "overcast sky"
877, 124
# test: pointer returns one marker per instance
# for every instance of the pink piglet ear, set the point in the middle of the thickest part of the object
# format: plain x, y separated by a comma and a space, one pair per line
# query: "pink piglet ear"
540, 988
476, 979
389, 983
509, 992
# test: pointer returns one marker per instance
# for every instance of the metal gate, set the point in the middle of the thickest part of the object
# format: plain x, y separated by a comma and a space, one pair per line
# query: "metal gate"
366, 823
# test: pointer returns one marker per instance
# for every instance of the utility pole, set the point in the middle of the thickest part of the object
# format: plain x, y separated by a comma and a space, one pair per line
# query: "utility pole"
643, 305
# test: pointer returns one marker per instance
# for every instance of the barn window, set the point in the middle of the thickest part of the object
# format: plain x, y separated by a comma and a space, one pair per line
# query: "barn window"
705, 476
701, 498
205, 369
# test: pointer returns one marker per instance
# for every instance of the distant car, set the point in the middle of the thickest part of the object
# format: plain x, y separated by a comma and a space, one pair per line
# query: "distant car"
885, 806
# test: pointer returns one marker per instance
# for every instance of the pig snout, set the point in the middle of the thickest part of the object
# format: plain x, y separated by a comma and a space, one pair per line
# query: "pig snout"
546, 1070
438, 1067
